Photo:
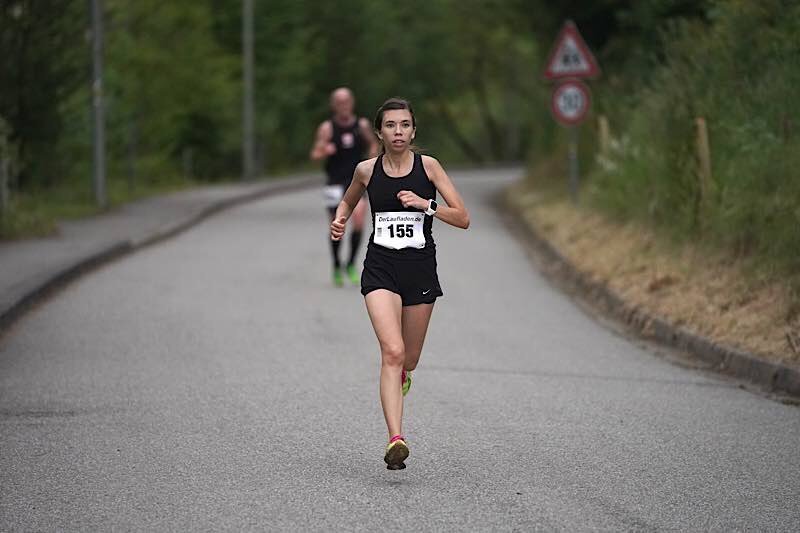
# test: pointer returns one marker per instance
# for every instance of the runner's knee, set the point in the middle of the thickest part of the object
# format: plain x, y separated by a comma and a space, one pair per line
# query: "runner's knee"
411, 360
392, 353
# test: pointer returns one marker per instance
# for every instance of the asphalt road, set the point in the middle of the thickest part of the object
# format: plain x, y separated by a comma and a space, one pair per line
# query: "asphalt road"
218, 381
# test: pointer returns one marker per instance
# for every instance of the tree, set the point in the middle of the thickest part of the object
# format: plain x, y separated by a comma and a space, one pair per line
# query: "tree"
43, 43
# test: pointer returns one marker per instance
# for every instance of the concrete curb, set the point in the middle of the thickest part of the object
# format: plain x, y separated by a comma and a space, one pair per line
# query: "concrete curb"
771, 376
61, 277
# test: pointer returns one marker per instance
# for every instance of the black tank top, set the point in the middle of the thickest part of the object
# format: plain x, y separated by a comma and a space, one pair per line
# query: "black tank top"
350, 147
382, 191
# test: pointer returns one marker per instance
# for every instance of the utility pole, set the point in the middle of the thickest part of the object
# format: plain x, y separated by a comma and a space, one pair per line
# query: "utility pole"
248, 118
99, 133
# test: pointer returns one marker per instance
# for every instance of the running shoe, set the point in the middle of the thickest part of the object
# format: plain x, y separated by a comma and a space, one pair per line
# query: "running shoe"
396, 453
352, 273
406, 378
338, 278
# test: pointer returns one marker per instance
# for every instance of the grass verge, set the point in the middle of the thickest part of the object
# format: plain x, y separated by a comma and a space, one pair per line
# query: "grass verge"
709, 291
36, 213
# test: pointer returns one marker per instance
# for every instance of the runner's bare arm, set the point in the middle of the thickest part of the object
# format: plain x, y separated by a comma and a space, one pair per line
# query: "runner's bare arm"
366, 130
323, 147
454, 213
351, 197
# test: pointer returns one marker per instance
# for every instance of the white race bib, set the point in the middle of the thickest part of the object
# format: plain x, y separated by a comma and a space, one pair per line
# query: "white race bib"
333, 195
348, 140
400, 229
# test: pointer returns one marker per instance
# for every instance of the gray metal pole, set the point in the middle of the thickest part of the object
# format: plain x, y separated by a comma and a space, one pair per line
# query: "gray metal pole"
5, 169
99, 134
574, 178
3, 183
248, 118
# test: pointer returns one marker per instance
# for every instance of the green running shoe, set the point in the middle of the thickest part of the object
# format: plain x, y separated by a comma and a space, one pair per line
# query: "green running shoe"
406, 376
338, 278
352, 273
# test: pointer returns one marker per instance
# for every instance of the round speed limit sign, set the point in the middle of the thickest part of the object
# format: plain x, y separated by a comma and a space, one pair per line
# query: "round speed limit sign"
570, 103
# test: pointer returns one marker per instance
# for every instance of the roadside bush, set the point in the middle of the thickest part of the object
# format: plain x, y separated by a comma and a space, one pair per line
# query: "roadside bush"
740, 72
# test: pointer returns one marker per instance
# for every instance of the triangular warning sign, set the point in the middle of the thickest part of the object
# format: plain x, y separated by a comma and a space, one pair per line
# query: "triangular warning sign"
570, 57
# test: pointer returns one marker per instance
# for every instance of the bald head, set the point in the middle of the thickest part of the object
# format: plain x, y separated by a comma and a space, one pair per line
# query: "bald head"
343, 103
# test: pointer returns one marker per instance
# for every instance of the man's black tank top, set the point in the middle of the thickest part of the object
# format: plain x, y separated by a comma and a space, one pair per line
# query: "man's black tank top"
382, 191
350, 147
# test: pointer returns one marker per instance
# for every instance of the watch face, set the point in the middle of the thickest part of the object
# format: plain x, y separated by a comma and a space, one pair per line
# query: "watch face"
434, 205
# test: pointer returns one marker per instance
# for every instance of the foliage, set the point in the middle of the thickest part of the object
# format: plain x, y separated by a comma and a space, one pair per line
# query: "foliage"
171, 86
40, 67
739, 72
173, 96
468, 67
173, 90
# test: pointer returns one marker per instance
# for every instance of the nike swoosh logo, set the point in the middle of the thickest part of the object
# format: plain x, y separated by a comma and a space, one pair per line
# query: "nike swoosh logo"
426, 292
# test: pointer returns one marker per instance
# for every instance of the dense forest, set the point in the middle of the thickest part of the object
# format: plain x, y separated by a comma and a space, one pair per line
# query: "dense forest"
472, 68
173, 75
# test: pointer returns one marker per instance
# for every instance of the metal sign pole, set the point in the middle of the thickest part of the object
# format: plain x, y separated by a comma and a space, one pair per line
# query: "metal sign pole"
248, 112
574, 177
571, 60
98, 105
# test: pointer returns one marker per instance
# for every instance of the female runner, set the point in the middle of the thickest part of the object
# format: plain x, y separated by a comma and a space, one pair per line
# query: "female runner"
399, 281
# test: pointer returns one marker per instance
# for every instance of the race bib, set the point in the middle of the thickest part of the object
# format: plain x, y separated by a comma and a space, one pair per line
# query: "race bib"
348, 140
333, 195
400, 229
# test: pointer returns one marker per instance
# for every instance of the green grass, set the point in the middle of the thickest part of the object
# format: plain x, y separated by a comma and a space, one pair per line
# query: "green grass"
740, 74
36, 213
548, 178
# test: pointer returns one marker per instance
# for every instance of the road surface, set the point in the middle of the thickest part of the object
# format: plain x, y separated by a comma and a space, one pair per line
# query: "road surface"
218, 381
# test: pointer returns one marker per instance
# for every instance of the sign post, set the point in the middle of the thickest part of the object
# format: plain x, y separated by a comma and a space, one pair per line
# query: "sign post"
574, 170
569, 61
570, 102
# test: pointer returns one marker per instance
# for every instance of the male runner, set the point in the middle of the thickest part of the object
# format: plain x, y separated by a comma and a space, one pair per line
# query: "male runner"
343, 141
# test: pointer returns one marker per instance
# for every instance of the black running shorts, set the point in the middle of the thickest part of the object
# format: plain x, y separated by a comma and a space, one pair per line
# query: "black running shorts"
414, 279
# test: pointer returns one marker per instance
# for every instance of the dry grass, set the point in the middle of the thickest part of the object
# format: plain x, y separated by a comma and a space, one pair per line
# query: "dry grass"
709, 293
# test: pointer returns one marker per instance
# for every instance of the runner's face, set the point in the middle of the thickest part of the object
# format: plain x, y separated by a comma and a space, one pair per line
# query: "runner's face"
397, 130
342, 104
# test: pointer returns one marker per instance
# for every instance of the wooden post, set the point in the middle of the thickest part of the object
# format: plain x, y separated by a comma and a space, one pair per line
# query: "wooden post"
188, 163
132, 146
703, 160
786, 127
604, 134
4, 172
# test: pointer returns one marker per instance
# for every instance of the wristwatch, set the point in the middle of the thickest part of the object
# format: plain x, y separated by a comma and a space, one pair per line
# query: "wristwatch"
431, 208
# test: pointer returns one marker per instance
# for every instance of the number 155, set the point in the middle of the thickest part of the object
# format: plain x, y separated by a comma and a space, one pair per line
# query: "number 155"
401, 230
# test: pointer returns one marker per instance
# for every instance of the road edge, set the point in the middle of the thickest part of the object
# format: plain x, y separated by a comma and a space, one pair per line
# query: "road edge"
69, 273
773, 377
